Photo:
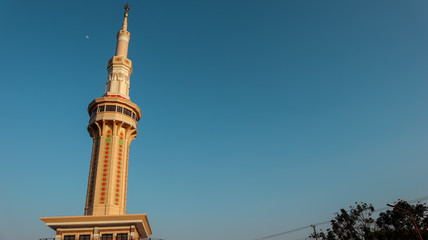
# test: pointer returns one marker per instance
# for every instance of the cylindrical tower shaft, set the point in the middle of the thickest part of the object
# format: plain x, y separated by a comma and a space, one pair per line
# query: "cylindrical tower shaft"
112, 125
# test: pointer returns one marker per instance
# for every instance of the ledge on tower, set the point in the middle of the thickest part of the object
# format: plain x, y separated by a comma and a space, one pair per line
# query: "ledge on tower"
99, 224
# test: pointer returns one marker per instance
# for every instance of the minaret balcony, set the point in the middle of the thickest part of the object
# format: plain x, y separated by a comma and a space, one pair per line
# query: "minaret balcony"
114, 113
114, 108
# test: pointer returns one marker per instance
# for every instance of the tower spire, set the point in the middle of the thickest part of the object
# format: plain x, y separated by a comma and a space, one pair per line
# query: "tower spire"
123, 36
125, 20
120, 67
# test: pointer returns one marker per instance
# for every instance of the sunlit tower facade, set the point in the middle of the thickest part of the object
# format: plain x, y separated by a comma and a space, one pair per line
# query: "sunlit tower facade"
112, 126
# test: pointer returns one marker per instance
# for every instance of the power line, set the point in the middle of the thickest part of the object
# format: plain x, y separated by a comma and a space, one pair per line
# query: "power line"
325, 222
286, 232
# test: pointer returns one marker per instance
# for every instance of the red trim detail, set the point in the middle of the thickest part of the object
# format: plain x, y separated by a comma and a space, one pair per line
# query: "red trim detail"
118, 96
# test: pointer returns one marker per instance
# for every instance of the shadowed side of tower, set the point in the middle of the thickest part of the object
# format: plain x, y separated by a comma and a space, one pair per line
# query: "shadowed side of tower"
112, 126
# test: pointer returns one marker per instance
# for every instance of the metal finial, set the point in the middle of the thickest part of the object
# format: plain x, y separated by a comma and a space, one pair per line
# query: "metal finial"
127, 8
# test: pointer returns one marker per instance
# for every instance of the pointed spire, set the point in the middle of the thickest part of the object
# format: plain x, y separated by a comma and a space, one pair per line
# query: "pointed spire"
125, 20
123, 36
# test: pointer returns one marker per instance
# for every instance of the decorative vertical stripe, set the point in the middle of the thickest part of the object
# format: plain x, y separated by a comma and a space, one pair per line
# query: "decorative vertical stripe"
93, 172
126, 170
105, 167
119, 171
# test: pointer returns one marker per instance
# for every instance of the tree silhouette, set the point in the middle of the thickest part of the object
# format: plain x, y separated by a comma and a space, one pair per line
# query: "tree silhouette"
396, 224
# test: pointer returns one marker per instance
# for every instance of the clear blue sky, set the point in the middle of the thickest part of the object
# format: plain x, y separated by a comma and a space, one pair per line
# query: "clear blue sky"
258, 116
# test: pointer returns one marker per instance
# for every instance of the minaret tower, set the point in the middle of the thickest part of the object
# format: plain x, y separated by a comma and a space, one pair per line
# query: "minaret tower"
112, 126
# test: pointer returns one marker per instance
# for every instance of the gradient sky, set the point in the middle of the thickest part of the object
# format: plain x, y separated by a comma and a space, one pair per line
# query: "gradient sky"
258, 116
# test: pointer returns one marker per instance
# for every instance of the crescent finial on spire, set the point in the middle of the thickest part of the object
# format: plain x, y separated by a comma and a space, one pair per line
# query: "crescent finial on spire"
127, 8
125, 22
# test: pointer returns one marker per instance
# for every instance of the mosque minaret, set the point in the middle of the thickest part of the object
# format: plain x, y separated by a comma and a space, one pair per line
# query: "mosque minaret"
112, 126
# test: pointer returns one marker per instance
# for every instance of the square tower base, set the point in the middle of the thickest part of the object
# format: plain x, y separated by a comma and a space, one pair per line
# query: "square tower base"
112, 227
